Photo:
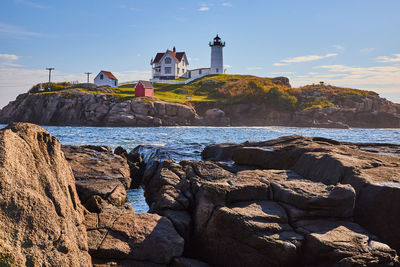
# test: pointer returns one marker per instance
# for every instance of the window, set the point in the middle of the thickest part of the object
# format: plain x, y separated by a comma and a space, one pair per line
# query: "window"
217, 70
178, 70
115, 82
199, 71
101, 76
167, 70
167, 60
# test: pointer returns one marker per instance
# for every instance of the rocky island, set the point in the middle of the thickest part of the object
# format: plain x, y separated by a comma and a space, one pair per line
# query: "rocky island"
291, 201
214, 100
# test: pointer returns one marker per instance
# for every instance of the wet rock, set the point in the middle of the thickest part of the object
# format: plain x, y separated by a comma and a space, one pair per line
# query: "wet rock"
99, 173
216, 116
120, 151
371, 169
182, 221
120, 234
89, 163
186, 262
41, 216
339, 242
112, 191
123, 263
219, 152
249, 234
309, 199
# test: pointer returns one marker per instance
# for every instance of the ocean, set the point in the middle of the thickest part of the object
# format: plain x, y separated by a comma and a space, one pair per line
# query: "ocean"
186, 143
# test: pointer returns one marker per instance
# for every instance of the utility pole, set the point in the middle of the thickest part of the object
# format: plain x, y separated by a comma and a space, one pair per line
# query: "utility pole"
49, 69
88, 73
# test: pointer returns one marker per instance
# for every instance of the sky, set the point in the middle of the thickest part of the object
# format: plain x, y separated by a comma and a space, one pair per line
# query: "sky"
352, 43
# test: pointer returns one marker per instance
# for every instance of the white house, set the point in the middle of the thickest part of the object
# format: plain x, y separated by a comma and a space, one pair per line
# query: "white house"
169, 65
172, 65
106, 78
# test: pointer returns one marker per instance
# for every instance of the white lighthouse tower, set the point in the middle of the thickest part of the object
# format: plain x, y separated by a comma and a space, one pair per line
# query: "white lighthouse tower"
217, 57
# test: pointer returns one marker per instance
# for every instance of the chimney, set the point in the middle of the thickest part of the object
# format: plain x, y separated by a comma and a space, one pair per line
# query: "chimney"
174, 49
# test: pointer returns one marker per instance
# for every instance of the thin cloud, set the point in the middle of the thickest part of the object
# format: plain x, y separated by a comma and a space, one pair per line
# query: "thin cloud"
227, 66
395, 58
8, 60
193, 59
226, 4
367, 50
204, 8
11, 31
282, 73
8, 57
254, 68
339, 47
350, 76
308, 58
280, 64
30, 4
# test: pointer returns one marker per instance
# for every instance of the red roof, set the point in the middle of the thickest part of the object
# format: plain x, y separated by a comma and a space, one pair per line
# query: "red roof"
158, 57
109, 75
146, 84
177, 56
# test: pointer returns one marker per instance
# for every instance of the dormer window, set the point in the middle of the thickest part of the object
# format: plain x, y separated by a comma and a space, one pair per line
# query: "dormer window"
101, 76
167, 60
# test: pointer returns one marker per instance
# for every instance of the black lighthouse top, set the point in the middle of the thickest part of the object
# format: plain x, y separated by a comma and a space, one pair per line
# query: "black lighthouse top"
217, 42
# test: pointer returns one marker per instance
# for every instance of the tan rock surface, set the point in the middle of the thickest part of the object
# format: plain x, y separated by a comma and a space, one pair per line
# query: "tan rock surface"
41, 216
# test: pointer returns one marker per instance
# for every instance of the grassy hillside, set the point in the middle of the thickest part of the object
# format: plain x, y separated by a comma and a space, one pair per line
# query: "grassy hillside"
229, 89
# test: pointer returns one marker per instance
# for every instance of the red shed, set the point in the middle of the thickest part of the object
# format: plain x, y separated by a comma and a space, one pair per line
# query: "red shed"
144, 88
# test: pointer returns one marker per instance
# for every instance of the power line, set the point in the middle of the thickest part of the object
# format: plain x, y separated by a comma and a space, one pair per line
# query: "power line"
49, 69
88, 73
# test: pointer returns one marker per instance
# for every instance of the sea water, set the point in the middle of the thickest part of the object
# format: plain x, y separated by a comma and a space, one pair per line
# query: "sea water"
186, 143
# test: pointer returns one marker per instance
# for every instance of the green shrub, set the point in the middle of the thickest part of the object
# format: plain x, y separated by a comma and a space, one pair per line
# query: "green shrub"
280, 99
53, 87
317, 103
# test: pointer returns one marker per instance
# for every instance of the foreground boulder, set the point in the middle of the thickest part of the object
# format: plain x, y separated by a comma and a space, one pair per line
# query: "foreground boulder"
41, 216
259, 217
373, 170
118, 234
102, 177
344, 243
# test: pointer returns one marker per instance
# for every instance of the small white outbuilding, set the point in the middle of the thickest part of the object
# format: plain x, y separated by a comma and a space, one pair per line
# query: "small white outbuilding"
106, 78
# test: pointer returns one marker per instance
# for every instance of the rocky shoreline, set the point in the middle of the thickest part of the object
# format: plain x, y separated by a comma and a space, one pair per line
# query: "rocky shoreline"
291, 201
77, 108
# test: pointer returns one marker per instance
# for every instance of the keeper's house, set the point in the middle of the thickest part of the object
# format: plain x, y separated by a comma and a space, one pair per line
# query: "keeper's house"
169, 65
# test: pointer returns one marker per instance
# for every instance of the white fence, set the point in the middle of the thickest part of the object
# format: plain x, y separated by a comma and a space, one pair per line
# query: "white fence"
195, 78
130, 82
178, 82
169, 81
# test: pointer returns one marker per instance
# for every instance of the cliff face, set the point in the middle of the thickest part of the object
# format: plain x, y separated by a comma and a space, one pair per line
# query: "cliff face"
94, 110
87, 109
354, 111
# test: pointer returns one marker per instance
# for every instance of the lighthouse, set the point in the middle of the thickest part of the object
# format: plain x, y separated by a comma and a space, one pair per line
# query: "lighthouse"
217, 57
